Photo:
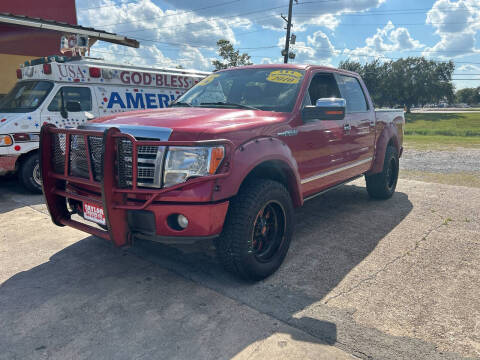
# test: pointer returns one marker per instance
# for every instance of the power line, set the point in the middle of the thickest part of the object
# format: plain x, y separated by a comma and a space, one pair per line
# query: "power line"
398, 11
197, 22
176, 14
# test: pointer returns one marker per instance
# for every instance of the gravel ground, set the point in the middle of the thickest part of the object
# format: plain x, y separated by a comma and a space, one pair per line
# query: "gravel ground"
449, 161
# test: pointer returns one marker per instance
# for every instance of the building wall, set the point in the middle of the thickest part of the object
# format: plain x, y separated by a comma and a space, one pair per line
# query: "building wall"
9, 65
19, 44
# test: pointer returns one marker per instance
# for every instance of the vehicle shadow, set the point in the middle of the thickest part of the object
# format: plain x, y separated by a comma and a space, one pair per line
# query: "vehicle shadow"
333, 234
91, 300
13, 195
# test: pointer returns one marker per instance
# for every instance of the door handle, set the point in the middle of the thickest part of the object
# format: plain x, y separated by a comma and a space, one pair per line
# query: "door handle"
347, 127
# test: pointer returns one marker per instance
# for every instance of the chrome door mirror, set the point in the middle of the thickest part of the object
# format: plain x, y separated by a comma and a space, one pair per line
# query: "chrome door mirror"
325, 109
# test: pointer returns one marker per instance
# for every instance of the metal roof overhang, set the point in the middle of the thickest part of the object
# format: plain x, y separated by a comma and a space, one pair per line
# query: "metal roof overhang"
50, 25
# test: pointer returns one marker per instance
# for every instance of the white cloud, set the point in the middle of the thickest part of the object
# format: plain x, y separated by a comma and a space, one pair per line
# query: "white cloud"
469, 67
317, 49
457, 24
387, 39
181, 34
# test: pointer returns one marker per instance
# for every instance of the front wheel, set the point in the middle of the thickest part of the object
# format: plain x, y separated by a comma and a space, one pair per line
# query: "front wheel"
382, 185
29, 174
257, 231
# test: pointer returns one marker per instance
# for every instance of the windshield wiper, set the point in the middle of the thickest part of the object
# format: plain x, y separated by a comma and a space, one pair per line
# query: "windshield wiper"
181, 104
230, 104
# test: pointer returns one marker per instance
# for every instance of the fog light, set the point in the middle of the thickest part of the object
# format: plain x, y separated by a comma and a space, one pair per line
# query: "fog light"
182, 221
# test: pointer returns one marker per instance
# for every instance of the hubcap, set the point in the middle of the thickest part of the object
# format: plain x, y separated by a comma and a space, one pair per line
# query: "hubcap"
36, 174
268, 231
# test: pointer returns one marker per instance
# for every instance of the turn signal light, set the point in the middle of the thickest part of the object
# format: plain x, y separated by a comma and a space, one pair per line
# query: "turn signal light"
19, 73
5, 140
94, 72
216, 158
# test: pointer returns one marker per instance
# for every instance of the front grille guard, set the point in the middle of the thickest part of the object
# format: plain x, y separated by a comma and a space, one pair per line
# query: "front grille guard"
98, 169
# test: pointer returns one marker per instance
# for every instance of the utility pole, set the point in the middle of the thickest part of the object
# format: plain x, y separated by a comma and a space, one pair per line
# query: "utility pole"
289, 25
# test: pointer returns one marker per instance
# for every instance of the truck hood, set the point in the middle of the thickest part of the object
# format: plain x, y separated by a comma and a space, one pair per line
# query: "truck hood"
18, 122
193, 123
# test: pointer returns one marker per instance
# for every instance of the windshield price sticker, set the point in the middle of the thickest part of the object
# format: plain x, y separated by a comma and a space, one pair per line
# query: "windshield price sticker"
285, 76
208, 79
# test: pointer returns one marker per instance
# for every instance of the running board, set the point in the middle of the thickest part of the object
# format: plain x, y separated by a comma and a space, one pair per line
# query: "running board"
331, 188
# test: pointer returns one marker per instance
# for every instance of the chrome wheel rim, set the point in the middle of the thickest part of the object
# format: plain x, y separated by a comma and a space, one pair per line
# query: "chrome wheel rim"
36, 174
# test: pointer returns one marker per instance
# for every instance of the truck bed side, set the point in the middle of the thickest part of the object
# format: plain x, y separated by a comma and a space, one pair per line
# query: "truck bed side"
390, 125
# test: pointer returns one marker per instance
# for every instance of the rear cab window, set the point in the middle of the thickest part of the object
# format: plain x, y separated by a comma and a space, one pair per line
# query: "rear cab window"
352, 92
71, 93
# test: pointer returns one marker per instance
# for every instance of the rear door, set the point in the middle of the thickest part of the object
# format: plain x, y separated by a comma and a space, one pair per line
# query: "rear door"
360, 121
52, 111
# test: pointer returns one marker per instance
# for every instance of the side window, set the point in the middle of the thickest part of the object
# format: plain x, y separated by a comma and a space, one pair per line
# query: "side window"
321, 86
72, 93
353, 94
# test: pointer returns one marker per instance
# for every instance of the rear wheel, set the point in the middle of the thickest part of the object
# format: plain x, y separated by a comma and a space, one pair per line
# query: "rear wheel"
257, 230
29, 174
382, 185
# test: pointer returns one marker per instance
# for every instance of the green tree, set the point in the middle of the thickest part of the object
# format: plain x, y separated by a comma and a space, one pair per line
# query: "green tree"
230, 56
468, 96
406, 82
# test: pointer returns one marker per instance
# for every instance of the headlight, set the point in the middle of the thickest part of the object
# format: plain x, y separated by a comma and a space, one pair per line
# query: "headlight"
6, 140
184, 162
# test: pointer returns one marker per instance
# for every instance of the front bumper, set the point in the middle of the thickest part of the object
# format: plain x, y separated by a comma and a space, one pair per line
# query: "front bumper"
129, 212
205, 221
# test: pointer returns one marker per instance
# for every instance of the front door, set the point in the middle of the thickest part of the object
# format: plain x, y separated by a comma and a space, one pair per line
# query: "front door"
320, 145
55, 110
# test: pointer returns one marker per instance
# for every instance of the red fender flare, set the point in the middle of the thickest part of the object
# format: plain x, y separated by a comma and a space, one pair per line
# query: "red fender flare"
252, 154
389, 132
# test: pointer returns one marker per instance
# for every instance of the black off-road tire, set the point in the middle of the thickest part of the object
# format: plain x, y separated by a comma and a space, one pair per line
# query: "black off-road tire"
382, 185
235, 245
29, 174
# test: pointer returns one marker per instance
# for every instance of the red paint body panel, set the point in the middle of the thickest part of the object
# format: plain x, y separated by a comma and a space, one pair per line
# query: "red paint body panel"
205, 220
310, 156
20, 40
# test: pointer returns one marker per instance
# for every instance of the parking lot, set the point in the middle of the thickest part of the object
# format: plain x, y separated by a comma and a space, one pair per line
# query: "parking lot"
384, 280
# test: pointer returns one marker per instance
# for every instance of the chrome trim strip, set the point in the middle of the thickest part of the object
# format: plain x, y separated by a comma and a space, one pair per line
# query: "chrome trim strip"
334, 171
149, 132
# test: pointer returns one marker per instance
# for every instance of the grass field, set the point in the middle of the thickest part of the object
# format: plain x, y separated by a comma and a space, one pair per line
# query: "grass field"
442, 130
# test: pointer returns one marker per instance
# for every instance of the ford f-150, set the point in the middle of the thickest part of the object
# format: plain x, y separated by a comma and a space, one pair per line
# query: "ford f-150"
230, 160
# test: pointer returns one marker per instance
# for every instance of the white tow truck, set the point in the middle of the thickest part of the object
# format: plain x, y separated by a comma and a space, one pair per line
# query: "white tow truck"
67, 92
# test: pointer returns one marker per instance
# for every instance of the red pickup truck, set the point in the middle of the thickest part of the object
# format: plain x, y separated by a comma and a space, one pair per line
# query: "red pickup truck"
228, 161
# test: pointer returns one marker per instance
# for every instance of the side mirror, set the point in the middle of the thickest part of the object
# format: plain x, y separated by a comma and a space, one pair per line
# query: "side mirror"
73, 106
325, 109
89, 116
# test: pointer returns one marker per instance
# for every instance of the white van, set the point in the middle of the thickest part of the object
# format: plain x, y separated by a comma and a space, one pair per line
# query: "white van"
70, 91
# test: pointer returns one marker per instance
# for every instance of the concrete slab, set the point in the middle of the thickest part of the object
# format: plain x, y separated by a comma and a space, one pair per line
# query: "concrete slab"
64, 295
380, 280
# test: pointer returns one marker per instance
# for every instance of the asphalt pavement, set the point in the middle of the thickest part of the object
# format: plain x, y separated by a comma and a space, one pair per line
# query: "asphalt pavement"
395, 279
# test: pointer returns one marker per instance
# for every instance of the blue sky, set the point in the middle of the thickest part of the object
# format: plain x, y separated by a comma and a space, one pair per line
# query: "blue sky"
184, 32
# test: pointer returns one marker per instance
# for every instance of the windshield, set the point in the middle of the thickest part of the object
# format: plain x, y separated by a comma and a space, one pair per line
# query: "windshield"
26, 96
269, 89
